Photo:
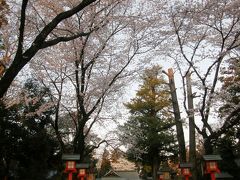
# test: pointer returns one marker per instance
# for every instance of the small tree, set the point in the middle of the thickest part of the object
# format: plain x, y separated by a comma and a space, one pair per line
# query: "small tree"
105, 164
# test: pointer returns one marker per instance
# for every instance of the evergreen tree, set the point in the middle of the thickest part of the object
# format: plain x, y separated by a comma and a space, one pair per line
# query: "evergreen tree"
227, 147
148, 131
26, 149
227, 144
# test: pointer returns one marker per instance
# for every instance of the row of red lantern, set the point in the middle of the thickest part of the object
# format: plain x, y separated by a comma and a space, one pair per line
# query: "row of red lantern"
211, 166
71, 168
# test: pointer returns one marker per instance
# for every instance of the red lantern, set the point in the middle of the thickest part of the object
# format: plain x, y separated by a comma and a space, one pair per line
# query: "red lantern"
71, 166
82, 170
185, 169
161, 177
164, 173
186, 172
211, 165
81, 174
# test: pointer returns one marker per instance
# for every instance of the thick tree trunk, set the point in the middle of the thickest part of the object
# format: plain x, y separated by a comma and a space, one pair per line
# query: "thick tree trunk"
155, 167
9, 76
81, 148
79, 143
208, 147
179, 128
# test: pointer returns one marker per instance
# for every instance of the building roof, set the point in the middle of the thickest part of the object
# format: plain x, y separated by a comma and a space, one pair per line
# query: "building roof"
185, 165
68, 157
111, 178
212, 157
223, 175
130, 175
82, 165
121, 175
111, 173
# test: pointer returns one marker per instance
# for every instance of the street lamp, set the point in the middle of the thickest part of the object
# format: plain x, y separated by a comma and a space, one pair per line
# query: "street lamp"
70, 164
211, 165
185, 169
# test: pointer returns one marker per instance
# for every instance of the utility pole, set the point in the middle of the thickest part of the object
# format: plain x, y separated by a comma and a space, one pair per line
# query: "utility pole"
177, 116
192, 139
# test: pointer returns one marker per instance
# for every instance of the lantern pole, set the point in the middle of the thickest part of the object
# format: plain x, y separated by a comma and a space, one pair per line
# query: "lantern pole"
213, 176
70, 176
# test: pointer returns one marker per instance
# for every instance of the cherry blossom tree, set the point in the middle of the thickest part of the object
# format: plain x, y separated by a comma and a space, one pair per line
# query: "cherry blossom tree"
206, 33
88, 74
44, 27
204, 36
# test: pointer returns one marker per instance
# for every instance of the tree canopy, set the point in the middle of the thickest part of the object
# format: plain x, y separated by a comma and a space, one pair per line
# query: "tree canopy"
80, 56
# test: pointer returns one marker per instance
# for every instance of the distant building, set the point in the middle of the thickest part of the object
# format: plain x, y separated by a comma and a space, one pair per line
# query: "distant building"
122, 169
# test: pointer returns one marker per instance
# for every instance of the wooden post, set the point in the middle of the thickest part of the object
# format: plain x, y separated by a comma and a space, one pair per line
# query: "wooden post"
70, 176
177, 116
213, 176
192, 139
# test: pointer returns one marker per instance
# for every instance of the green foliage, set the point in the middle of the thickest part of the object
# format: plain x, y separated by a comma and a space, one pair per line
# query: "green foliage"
148, 133
228, 145
27, 150
228, 148
153, 96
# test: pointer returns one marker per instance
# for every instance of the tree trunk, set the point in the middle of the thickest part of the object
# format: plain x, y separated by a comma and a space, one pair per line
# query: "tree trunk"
192, 140
155, 167
9, 75
59, 138
79, 143
208, 147
179, 128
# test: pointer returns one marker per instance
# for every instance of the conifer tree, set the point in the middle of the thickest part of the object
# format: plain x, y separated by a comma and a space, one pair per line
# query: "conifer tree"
148, 131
